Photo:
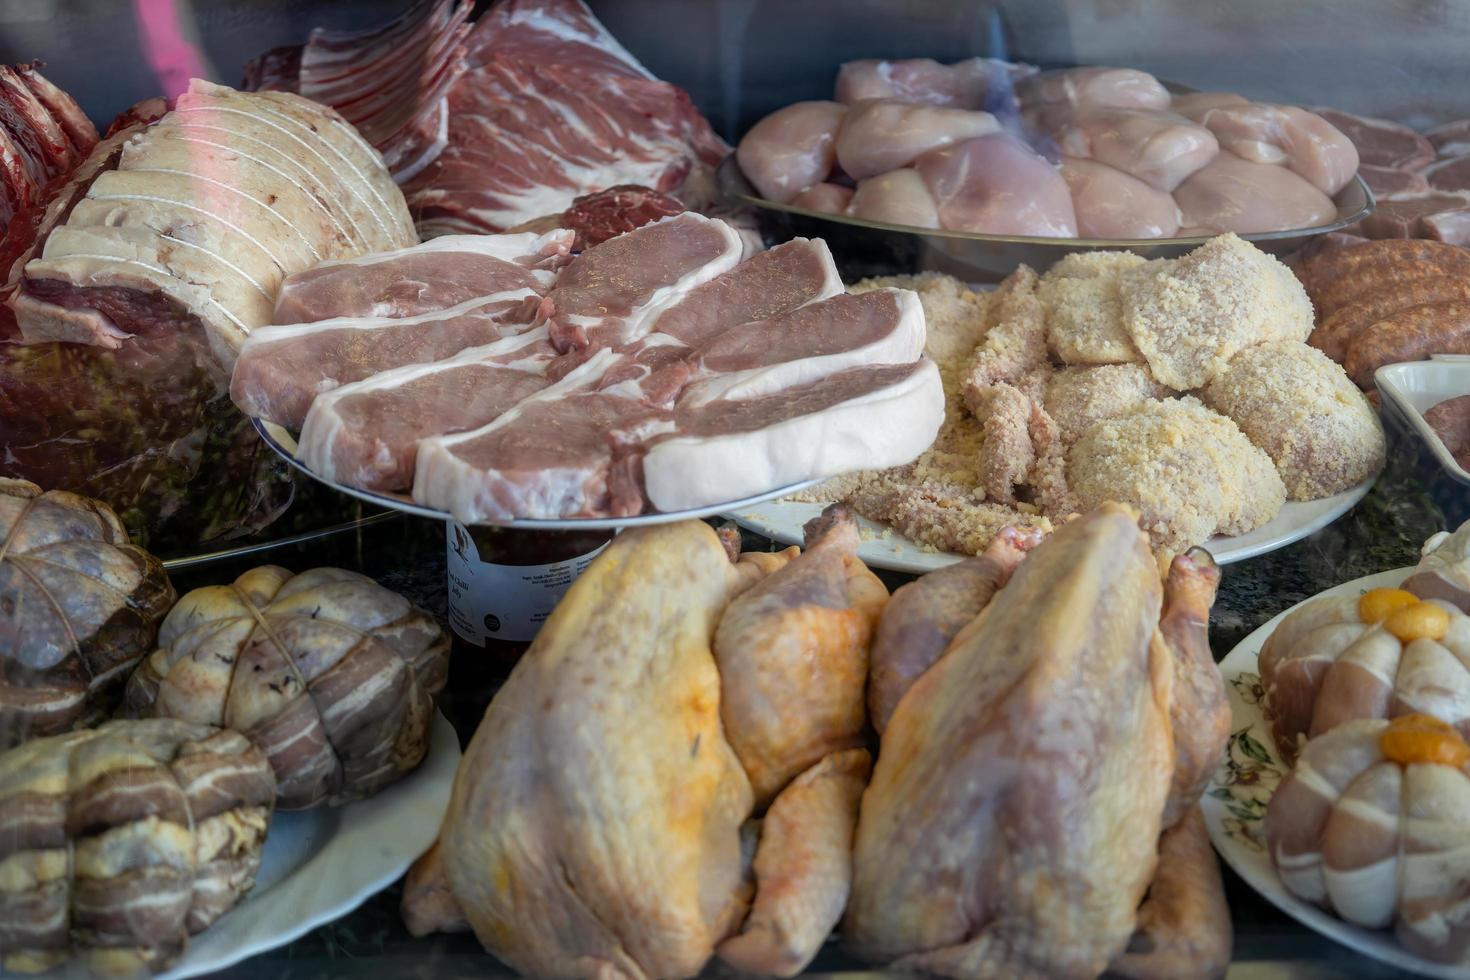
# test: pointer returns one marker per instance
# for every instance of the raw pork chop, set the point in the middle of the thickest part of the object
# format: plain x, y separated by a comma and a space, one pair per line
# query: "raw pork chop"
366, 434
424, 278
281, 369
611, 294
867, 418
790, 352
567, 451
772, 283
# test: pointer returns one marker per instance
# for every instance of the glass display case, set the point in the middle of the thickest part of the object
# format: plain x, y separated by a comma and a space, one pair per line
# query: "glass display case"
571, 319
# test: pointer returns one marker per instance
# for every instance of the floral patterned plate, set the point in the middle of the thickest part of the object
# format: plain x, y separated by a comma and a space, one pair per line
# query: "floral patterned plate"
1235, 802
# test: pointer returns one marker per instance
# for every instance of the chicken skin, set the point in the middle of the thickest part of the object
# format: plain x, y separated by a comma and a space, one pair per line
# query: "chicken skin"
1031, 780
601, 823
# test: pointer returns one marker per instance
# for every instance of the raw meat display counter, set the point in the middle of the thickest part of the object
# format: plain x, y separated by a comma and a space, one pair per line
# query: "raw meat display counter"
634, 487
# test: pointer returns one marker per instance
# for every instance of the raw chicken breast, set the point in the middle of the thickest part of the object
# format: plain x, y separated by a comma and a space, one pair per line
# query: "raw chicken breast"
1122, 87
898, 198
1112, 204
998, 185
1234, 194
885, 134
831, 198
1264, 133
1159, 148
975, 83
791, 149
1192, 105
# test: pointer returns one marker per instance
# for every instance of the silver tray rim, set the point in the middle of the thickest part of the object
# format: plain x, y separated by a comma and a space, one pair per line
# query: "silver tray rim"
188, 562
280, 440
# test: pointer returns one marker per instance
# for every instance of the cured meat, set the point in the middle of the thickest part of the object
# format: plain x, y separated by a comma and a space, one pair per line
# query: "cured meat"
390, 81
281, 369
552, 108
424, 278
208, 211
656, 265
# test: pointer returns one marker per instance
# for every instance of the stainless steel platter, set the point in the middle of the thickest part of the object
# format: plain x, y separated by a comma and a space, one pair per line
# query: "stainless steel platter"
874, 248
285, 444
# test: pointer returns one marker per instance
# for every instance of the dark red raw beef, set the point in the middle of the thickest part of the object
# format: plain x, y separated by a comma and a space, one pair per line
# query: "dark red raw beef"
1381, 142
606, 214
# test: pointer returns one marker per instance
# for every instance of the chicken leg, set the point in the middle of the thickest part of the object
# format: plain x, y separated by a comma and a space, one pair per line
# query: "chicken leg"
793, 657
1184, 924
803, 866
923, 617
1198, 710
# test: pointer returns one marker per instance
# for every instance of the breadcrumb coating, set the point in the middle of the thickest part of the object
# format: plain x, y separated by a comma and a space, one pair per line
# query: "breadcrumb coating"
1076, 397
1084, 317
1299, 405
1190, 472
1189, 316
1028, 441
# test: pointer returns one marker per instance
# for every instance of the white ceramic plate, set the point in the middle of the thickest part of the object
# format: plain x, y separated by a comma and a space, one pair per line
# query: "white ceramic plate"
321, 864
885, 548
1235, 802
1415, 387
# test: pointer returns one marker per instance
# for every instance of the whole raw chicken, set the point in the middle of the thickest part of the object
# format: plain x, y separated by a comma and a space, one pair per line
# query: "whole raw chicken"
1028, 782
601, 818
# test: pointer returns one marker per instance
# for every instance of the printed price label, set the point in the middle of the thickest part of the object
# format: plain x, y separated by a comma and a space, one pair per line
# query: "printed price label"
503, 602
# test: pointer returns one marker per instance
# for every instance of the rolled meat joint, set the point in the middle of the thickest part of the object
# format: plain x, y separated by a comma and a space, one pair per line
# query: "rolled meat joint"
43, 135
79, 607
622, 827
792, 149
204, 214
1379, 655
1443, 572
121, 842
331, 674
972, 859
1369, 824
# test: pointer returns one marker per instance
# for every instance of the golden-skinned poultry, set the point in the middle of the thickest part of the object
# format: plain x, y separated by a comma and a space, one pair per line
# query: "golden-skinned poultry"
598, 816
1012, 826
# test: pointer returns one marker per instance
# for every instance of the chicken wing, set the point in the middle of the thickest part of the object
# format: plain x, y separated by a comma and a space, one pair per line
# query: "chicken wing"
923, 617
793, 657
803, 868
